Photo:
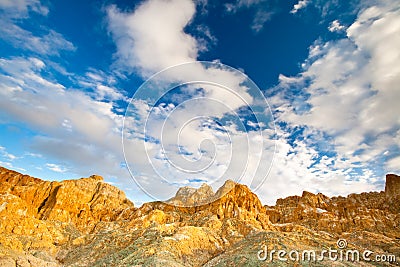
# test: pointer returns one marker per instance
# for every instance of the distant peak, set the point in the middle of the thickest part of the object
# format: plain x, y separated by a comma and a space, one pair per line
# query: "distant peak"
229, 183
225, 188
205, 188
204, 185
189, 196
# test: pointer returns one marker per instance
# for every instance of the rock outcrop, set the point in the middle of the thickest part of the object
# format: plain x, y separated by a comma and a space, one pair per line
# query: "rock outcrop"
37, 214
392, 186
83, 202
189, 196
377, 212
87, 222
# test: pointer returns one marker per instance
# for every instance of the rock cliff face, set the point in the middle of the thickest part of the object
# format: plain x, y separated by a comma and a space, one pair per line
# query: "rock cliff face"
87, 222
36, 214
392, 186
83, 202
375, 211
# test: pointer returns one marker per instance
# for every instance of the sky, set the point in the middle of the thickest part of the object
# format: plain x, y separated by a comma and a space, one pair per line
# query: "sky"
283, 96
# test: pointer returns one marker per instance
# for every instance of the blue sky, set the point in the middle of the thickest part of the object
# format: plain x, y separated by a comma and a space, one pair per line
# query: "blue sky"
328, 70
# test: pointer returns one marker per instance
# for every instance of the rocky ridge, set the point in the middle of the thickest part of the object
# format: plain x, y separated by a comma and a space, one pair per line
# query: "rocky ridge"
87, 222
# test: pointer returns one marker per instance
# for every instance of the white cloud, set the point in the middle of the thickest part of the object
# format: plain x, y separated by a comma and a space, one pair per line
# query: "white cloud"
55, 168
393, 165
100, 86
6, 164
335, 26
20, 8
152, 37
49, 44
260, 19
300, 5
359, 77
5, 155
204, 38
12, 13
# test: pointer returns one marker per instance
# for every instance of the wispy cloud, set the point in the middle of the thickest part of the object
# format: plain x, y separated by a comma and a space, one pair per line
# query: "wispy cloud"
13, 13
49, 44
100, 86
234, 7
20, 8
5, 155
261, 17
55, 168
263, 10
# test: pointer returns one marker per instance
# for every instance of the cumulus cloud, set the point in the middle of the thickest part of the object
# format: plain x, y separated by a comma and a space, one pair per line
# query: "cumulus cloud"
152, 37
335, 26
300, 5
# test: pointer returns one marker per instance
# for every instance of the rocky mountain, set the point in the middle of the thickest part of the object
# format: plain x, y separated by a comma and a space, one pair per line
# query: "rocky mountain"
87, 222
189, 196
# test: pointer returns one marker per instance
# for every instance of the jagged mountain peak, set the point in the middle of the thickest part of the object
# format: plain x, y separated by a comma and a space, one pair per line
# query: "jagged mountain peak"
188, 196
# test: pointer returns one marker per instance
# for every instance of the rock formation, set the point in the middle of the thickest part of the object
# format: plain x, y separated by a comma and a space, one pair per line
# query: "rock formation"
189, 196
392, 186
87, 222
377, 212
